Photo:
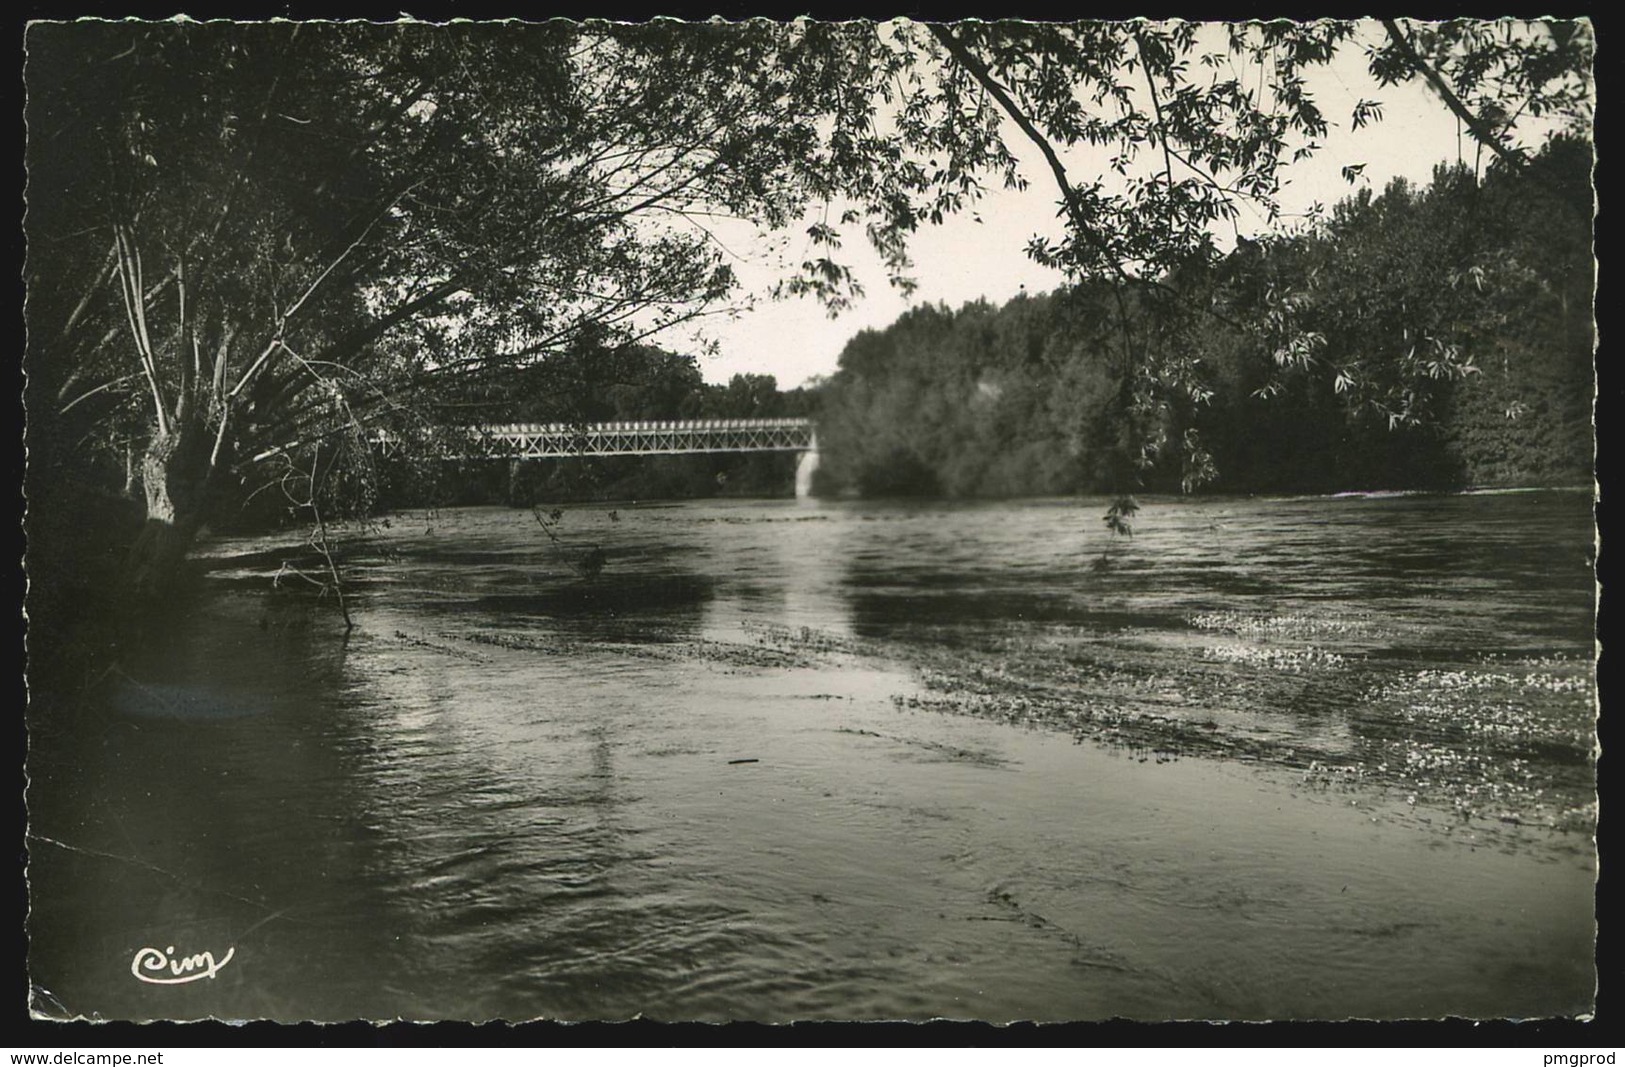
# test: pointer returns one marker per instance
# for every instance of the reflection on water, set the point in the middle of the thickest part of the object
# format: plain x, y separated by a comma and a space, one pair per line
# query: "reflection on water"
513, 793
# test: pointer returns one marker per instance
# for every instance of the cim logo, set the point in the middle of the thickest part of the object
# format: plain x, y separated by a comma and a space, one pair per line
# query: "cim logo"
166, 968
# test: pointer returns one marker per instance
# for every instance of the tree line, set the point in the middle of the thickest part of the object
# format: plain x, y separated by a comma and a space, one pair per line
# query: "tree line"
1432, 336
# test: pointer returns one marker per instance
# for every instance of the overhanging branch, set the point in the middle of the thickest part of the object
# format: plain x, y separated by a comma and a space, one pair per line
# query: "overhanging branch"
979, 70
1476, 126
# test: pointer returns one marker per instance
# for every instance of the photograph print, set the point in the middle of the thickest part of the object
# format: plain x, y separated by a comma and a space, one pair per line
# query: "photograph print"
776, 521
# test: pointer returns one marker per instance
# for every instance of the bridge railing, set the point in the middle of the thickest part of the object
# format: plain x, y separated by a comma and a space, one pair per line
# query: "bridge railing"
623, 438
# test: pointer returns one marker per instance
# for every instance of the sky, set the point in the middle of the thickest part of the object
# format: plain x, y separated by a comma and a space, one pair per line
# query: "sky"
963, 260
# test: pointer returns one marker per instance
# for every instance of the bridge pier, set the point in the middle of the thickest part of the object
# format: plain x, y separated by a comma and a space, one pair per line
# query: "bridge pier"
806, 467
516, 485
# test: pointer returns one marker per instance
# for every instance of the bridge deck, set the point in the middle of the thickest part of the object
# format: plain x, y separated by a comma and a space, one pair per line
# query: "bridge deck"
658, 438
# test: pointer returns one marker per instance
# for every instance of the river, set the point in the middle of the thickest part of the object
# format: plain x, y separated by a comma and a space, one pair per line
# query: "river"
1308, 758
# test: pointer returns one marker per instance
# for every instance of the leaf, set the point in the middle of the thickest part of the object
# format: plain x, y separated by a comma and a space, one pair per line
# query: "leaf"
1367, 111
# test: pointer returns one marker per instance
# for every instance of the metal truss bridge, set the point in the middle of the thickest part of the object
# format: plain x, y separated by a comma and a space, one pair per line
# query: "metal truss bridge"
659, 438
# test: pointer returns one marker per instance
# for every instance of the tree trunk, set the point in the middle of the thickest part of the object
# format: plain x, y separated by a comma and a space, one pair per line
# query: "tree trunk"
175, 479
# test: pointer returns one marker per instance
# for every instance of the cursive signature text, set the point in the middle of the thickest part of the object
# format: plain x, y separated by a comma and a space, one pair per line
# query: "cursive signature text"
166, 968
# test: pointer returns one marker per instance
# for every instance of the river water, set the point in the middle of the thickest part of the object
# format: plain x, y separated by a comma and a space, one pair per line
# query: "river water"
1316, 758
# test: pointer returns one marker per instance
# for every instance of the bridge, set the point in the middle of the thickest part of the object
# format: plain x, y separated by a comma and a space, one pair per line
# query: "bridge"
672, 437
669, 438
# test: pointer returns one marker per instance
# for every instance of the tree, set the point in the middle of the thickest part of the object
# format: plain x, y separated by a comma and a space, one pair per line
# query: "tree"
247, 241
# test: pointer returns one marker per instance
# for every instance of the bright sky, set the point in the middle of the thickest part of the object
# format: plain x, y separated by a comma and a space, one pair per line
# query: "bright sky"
795, 339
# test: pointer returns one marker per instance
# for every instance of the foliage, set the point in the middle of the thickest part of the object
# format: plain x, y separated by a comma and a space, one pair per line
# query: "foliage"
1200, 141
246, 240
1423, 337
